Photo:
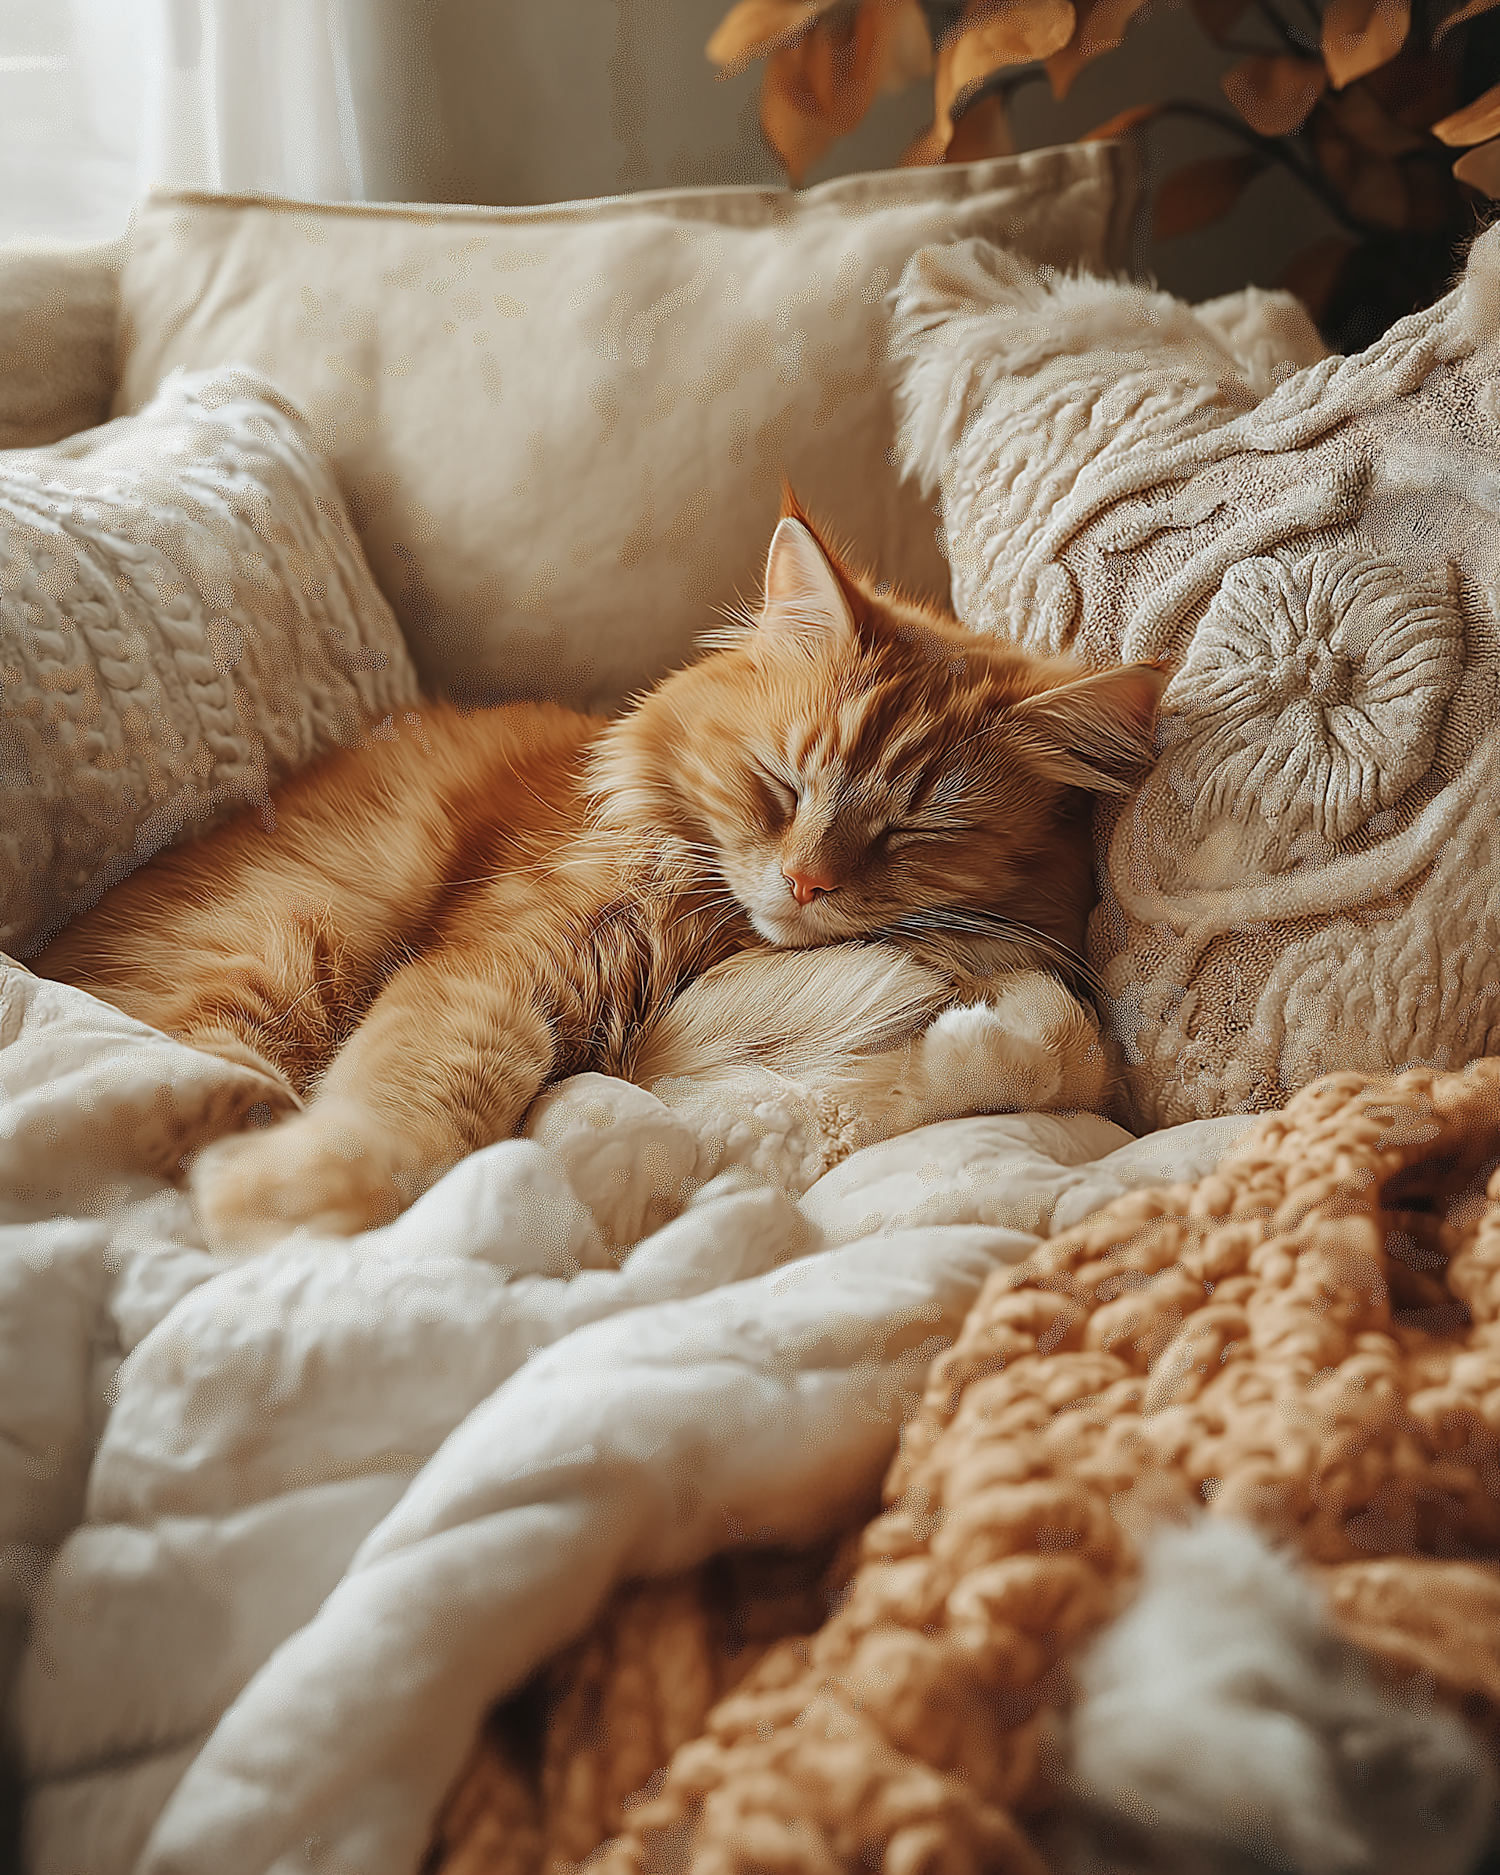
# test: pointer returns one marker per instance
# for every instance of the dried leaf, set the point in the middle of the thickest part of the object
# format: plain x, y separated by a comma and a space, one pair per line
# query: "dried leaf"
1470, 10
1415, 89
1198, 193
820, 87
991, 35
1360, 35
1101, 27
982, 131
1313, 273
909, 51
1122, 123
1475, 123
1218, 18
1372, 183
754, 27
927, 148
790, 118
1480, 168
1361, 119
1274, 93
995, 33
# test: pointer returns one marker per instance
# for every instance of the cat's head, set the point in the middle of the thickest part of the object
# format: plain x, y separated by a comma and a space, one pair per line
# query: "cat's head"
848, 757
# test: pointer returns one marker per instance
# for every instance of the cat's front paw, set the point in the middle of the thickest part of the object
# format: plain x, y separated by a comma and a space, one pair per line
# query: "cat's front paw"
322, 1172
1031, 1047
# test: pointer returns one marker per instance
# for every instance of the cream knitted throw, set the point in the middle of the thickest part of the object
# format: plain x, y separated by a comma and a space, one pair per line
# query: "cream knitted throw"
1310, 879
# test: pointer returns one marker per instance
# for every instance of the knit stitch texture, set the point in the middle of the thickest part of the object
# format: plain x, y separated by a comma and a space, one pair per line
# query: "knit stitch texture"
186, 617
1309, 880
1306, 1341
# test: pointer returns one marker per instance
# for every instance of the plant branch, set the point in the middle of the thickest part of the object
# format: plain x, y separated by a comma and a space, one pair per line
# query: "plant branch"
1274, 150
1281, 25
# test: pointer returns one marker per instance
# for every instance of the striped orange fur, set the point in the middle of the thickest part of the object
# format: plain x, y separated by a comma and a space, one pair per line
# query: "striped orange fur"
437, 927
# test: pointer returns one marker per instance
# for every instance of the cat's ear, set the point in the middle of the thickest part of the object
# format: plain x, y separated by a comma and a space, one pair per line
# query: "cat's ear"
804, 596
1100, 731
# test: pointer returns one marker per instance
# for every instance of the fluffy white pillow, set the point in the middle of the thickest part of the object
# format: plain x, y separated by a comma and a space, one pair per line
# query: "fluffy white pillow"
185, 618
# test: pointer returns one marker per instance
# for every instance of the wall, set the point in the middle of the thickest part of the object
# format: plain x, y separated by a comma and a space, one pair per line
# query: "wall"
542, 100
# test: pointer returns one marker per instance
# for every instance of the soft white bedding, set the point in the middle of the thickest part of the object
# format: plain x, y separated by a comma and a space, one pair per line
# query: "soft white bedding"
284, 1528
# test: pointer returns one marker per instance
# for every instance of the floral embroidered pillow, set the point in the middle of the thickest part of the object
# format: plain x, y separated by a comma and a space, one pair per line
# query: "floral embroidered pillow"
1310, 877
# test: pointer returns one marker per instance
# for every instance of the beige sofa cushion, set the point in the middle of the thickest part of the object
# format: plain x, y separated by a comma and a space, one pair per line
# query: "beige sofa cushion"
562, 430
185, 619
1309, 879
57, 339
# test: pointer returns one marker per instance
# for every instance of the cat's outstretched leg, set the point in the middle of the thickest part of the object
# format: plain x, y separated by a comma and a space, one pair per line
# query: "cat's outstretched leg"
1030, 1046
447, 1059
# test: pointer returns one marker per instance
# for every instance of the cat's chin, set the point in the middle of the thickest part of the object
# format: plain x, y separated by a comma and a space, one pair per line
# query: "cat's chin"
792, 931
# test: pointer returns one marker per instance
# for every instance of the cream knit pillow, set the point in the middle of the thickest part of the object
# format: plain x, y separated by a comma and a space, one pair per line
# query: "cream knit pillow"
185, 618
1310, 878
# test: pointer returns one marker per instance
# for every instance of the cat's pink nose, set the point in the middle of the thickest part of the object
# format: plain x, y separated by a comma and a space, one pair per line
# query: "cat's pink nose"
805, 885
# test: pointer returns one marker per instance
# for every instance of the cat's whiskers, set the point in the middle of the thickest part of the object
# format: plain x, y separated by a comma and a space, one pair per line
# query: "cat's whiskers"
963, 920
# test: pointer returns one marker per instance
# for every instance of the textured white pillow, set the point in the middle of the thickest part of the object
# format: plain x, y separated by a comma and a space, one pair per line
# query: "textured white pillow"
185, 618
1309, 879
562, 430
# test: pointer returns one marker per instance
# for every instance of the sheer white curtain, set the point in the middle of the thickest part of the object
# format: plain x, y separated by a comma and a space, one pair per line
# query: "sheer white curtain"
252, 95
99, 99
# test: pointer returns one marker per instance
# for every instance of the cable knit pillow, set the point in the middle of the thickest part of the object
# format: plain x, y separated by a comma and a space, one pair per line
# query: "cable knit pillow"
1310, 878
185, 618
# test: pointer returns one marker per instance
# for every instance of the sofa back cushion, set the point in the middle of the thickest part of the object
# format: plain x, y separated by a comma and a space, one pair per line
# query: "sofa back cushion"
562, 431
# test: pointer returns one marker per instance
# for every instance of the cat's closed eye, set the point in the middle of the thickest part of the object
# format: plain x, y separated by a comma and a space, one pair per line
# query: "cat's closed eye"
777, 795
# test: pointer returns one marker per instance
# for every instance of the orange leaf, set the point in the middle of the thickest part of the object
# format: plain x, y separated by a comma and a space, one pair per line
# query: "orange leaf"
1480, 168
756, 27
1123, 123
794, 126
997, 33
908, 53
1360, 35
982, 131
1416, 88
1218, 18
1198, 193
1274, 93
1475, 123
820, 87
1313, 273
1471, 10
1362, 120
926, 148
1372, 183
991, 35
1101, 27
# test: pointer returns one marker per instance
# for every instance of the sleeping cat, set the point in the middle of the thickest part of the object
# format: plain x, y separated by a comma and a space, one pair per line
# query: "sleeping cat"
849, 814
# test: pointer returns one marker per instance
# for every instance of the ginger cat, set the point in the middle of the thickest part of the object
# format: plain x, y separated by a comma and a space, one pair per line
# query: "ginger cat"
438, 927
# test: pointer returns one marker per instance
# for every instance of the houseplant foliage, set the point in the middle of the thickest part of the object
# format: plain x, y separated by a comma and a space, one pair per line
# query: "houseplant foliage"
1383, 109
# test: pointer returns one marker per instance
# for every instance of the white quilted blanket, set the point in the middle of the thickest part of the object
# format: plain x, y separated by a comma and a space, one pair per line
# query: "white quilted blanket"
274, 1534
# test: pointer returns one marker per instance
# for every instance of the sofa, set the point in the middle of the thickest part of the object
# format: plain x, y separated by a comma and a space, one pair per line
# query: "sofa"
282, 1537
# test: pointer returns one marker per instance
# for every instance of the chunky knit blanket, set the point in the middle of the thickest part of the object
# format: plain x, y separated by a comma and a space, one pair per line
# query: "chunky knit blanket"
1306, 1340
